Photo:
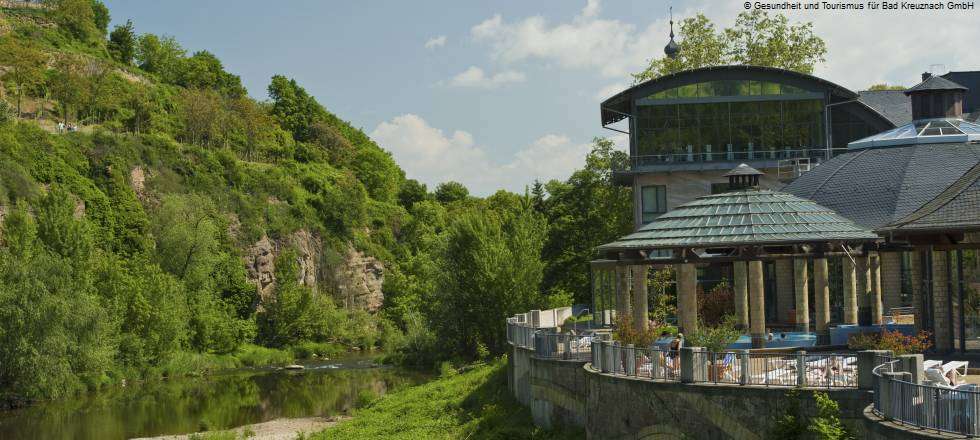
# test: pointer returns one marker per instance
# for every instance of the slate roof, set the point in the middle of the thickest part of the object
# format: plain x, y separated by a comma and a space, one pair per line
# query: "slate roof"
894, 105
744, 217
934, 83
956, 208
743, 170
876, 187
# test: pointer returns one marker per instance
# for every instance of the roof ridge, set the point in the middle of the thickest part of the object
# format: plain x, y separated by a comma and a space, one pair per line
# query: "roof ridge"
941, 200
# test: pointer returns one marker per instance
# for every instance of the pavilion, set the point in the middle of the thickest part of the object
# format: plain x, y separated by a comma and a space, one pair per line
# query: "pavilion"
745, 226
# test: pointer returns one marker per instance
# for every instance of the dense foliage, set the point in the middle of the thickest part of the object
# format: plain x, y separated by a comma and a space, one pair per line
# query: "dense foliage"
123, 242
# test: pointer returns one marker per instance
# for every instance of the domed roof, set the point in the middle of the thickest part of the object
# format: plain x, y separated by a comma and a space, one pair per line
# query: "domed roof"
745, 217
672, 48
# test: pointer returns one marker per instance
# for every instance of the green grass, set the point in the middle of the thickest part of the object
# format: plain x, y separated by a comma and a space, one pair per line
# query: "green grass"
471, 405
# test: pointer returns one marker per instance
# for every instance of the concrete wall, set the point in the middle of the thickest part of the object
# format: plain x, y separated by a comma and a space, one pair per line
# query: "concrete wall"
571, 393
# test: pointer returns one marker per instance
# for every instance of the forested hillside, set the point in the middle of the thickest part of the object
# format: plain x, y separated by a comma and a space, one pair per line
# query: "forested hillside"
174, 224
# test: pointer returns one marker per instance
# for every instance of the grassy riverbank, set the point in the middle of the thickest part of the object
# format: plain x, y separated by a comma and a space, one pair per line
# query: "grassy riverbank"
474, 404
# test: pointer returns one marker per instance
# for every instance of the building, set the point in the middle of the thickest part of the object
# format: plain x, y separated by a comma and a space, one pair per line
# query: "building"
849, 151
903, 164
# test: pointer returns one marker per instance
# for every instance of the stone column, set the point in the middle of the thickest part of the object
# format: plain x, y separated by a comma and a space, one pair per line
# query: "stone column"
850, 291
862, 268
940, 302
757, 301
801, 284
622, 292
915, 272
784, 291
890, 273
821, 296
741, 294
640, 301
874, 279
687, 297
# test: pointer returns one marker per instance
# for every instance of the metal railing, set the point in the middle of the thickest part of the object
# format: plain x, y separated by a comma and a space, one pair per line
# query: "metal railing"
739, 367
939, 408
564, 346
814, 154
520, 335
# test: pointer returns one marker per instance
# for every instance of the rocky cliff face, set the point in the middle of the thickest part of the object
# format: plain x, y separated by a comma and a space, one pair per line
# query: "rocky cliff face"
354, 279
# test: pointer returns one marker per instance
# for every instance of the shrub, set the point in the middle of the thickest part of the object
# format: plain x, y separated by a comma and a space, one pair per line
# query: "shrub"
626, 333
895, 341
714, 338
715, 304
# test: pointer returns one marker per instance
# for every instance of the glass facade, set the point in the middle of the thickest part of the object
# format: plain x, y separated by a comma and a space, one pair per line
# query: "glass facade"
727, 88
736, 130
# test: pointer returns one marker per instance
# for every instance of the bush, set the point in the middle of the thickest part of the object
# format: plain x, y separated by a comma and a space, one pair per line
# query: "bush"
626, 333
715, 338
713, 306
895, 341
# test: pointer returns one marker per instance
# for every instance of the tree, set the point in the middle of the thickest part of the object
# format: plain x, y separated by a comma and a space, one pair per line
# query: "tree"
25, 64
161, 56
886, 86
490, 269
78, 18
411, 192
449, 192
68, 84
100, 17
294, 108
757, 39
122, 43
587, 210
203, 70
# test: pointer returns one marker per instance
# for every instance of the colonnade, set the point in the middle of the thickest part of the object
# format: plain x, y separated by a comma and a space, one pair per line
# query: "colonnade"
749, 294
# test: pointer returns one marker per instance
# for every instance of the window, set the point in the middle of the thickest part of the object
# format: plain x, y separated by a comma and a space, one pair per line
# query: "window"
719, 188
653, 201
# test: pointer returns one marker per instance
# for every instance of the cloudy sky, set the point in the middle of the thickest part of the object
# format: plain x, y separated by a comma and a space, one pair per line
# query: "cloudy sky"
496, 94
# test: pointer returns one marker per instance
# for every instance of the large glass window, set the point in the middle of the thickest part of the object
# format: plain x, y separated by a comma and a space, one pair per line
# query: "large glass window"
654, 201
727, 88
738, 130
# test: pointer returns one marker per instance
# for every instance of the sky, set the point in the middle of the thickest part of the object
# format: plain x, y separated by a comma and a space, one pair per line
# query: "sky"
497, 94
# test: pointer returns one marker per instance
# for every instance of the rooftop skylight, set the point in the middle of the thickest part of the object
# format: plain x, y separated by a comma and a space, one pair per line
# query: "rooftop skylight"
926, 131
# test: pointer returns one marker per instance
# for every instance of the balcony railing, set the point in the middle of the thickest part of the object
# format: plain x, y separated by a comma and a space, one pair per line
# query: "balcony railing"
638, 162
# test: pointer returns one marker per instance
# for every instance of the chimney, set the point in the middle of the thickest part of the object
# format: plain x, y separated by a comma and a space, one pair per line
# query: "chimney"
936, 97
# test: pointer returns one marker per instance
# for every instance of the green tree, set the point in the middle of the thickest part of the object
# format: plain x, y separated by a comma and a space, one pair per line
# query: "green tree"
100, 17
69, 85
490, 269
160, 56
757, 38
296, 313
203, 70
122, 43
449, 192
412, 192
886, 86
587, 210
294, 108
25, 64
78, 18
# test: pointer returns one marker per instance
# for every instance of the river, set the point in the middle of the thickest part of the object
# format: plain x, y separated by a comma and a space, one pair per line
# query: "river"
220, 401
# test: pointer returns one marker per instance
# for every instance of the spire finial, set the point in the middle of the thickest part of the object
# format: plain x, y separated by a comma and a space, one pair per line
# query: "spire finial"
672, 48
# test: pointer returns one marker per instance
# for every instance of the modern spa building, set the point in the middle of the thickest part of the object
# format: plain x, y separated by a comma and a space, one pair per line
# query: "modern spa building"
870, 156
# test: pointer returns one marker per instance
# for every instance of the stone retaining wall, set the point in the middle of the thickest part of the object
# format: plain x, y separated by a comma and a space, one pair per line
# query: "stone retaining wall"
571, 393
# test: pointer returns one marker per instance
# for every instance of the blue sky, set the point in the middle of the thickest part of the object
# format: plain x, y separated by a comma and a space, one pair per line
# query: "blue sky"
496, 94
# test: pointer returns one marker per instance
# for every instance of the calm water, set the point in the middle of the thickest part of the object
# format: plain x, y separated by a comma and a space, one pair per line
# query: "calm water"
217, 402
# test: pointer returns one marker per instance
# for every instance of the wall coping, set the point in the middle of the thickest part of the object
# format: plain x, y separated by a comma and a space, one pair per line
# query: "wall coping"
892, 429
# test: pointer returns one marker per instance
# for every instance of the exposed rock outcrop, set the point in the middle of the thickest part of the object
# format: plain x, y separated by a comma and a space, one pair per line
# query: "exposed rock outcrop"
353, 278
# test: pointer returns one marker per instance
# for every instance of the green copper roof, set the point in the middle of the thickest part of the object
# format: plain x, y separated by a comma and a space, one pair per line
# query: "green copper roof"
744, 217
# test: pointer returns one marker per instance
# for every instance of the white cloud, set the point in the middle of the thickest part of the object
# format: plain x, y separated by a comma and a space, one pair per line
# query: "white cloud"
610, 90
435, 42
432, 156
612, 47
863, 47
476, 77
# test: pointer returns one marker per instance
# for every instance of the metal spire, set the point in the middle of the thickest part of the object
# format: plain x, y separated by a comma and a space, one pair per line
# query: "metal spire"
672, 48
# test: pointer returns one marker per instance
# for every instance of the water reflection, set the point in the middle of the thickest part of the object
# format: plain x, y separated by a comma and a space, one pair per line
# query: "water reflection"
217, 402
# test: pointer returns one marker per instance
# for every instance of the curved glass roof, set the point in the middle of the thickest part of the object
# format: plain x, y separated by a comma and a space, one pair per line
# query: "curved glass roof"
925, 131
